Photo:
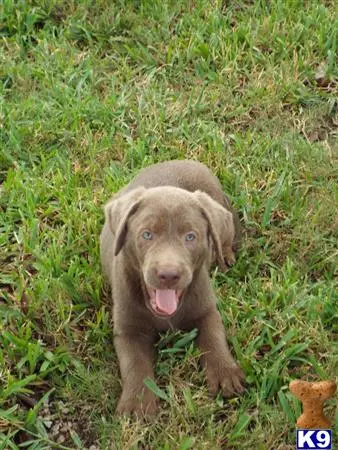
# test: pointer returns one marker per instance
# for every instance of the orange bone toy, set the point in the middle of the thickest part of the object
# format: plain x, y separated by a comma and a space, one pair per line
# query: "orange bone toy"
313, 395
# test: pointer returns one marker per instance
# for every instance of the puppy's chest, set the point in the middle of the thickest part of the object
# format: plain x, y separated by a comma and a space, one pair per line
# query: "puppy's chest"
182, 321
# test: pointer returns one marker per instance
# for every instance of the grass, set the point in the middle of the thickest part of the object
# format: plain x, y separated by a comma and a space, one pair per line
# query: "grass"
90, 93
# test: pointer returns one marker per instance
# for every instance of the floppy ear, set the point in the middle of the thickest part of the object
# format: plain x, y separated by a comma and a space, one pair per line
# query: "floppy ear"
118, 212
221, 227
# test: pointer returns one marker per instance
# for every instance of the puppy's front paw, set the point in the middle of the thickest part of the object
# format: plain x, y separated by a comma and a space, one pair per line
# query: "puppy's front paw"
228, 378
144, 404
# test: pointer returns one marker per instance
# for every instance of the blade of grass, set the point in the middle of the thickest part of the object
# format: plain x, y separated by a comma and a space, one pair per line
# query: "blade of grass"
150, 383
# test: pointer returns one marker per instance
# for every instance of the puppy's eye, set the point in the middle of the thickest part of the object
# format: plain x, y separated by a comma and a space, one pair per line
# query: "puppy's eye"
147, 235
190, 237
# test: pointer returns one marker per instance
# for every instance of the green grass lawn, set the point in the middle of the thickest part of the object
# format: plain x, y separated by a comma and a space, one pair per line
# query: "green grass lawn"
92, 91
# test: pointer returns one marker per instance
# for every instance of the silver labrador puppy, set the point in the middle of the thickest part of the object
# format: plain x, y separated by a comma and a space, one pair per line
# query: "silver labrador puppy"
161, 234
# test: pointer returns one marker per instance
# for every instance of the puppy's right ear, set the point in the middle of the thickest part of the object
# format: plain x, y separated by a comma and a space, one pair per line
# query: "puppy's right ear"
118, 211
221, 227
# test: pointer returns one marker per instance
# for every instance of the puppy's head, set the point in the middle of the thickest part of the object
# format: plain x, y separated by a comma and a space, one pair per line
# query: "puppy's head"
167, 234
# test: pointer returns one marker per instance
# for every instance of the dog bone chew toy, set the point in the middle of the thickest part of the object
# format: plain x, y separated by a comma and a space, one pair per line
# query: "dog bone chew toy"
313, 395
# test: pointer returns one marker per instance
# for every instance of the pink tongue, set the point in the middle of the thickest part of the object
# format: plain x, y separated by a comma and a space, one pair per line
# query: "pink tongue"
166, 300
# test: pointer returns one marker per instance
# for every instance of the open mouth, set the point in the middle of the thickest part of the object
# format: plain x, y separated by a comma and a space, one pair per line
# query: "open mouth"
164, 302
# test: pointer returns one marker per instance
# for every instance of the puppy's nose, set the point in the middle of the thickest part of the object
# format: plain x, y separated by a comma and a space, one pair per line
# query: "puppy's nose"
166, 274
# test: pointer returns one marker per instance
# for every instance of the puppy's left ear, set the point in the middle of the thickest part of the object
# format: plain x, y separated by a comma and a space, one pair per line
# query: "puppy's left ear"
221, 228
118, 211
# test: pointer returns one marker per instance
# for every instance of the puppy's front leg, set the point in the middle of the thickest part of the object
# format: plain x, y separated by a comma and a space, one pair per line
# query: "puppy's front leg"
136, 354
221, 370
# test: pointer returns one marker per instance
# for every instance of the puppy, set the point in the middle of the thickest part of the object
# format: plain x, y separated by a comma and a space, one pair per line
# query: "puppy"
161, 234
